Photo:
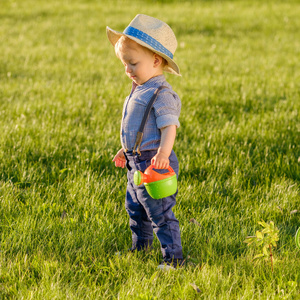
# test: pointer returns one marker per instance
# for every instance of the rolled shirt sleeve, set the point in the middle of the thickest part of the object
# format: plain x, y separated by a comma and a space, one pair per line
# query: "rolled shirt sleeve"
167, 109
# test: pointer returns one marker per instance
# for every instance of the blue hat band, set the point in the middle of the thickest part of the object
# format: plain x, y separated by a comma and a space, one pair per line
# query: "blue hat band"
144, 37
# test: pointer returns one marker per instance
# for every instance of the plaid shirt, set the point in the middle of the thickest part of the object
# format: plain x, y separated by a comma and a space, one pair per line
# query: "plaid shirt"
165, 112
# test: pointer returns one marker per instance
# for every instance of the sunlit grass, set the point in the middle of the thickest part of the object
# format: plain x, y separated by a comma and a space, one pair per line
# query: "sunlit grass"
62, 215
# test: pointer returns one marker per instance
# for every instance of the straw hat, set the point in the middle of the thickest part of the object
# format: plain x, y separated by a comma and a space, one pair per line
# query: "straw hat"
152, 34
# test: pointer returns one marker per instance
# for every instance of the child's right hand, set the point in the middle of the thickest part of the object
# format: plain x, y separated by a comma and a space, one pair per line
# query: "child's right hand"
119, 159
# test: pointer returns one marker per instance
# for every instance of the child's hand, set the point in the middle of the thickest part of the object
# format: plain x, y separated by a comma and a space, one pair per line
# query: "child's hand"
160, 161
119, 159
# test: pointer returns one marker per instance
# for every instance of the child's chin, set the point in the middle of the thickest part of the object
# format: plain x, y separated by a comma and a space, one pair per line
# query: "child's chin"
136, 82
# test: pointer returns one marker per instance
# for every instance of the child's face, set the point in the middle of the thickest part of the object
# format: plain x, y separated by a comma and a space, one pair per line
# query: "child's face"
140, 63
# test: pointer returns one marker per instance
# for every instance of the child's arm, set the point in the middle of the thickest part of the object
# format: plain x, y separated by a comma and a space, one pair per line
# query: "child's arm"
161, 159
119, 159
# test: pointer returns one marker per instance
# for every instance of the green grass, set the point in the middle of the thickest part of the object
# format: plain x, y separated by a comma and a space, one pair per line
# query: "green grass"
62, 215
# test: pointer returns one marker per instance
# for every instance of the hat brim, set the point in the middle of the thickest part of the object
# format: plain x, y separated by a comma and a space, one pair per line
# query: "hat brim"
114, 36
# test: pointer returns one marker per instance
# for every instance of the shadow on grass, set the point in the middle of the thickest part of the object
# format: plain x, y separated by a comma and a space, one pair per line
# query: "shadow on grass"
33, 166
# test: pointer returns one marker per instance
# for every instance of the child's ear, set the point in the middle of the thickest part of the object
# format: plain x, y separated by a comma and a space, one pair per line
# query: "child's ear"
157, 60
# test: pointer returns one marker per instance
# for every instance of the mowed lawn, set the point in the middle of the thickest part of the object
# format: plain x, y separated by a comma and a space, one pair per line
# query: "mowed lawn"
63, 226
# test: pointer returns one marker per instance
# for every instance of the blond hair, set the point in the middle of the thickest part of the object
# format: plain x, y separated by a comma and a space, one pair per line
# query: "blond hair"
125, 43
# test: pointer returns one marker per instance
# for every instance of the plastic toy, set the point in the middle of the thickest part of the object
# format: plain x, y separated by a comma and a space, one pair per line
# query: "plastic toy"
157, 185
297, 238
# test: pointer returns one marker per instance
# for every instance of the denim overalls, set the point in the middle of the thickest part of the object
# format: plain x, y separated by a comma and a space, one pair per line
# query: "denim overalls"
147, 214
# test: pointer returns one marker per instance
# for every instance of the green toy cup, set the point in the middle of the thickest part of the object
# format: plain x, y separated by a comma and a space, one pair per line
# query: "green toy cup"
162, 188
157, 185
297, 238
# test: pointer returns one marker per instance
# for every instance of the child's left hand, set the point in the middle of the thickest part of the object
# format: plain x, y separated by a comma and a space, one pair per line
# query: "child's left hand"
160, 161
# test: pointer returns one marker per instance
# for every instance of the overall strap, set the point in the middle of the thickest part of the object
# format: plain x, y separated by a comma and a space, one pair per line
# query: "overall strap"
140, 133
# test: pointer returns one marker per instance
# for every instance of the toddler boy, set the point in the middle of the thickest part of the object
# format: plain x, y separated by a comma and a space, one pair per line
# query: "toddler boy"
146, 48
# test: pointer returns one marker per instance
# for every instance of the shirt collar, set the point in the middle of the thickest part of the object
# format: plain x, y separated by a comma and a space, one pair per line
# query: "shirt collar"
154, 81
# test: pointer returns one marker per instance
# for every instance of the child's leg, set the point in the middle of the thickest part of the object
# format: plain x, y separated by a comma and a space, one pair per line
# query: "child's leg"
166, 228
140, 225
164, 222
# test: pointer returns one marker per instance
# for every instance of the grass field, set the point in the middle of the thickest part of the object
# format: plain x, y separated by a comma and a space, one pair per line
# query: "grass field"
62, 215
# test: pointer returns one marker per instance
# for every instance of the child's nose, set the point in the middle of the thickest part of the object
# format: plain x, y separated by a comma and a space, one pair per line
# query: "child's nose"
127, 69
